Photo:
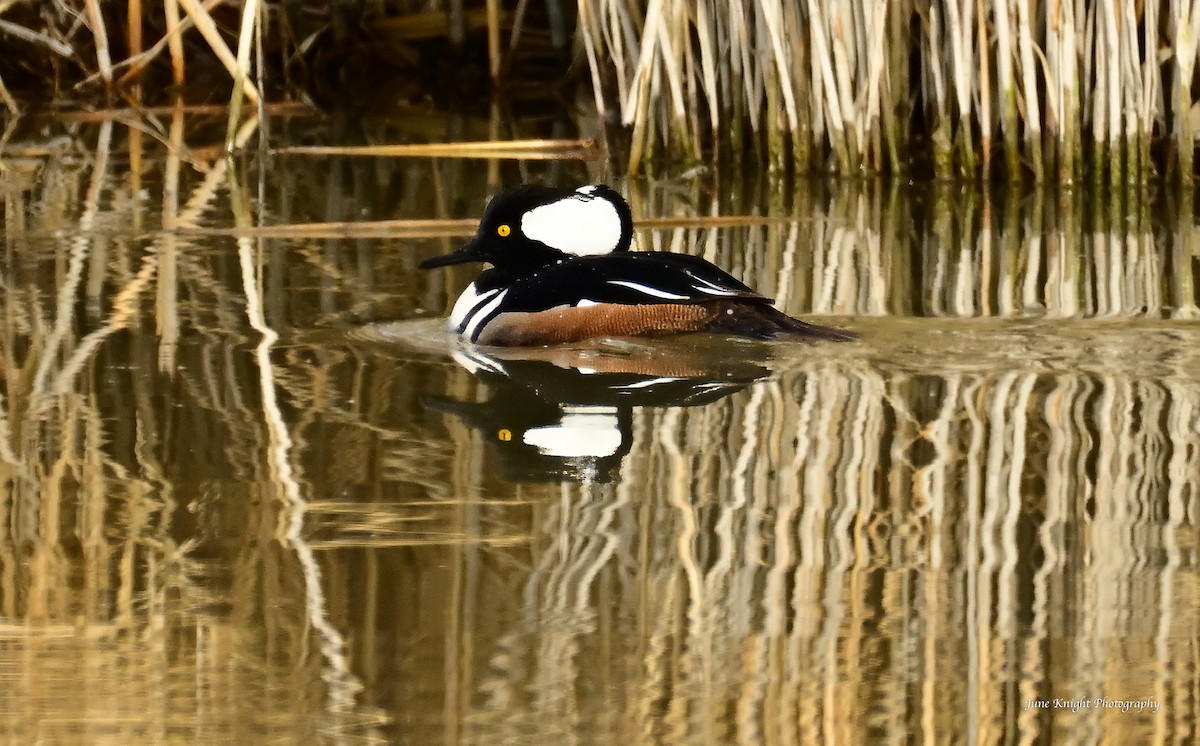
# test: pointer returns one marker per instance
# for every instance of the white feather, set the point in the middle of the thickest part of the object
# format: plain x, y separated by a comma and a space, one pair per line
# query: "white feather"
649, 382
482, 314
576, 225
470, 299
647, 290
710, 288
475, 363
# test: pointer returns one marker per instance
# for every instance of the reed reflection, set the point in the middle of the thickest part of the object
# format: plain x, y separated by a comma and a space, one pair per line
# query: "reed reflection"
854, 544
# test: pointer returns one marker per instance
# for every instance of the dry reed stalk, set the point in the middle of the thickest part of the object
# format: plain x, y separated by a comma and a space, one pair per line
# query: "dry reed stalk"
92, 116
241, 73
707, 26
449, 227
260, 28
691, 85
135, 174
985, 90
894, 108
1007, 86
1054, 73
936, 90
493, 166
1032, 112
587, 31
9, 102
833, 117
166, 305
1185, 36
875, 63
133, 31
208, 29
1108, 105
57, 46
773, 20
676, 126
1132, 94
1062, 112
100, 35
516, 149
457, 23
656, 59
495, 55
1151, 88
174, 38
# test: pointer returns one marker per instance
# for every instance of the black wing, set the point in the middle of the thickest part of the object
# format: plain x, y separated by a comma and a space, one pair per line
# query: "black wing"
695, 264
639, 278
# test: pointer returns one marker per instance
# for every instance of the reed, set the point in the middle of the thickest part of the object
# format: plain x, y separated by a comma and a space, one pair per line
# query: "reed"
490, 149
830, 83
1020, 91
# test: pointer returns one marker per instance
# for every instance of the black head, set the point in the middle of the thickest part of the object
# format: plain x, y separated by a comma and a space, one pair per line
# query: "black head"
531, 226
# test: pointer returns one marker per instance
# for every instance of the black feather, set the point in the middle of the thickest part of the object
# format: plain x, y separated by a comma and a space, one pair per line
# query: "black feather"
615, 278
761, 321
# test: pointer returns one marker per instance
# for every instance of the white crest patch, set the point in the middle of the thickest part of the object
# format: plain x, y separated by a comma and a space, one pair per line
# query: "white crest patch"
582, 431
646, 289
581, 225
585, 302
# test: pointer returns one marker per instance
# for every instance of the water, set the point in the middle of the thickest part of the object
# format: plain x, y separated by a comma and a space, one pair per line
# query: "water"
248, 492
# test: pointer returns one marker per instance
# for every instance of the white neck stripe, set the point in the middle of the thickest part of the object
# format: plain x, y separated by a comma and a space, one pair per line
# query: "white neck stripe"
478, 318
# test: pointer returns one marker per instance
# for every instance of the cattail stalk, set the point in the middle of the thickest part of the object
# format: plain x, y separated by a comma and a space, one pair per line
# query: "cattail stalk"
175, 41
1184, 16
1033, 116
134, 27
100, 34
241, 73
208, 29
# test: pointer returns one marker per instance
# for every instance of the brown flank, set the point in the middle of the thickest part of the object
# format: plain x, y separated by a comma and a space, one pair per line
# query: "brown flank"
755, 319
566, 324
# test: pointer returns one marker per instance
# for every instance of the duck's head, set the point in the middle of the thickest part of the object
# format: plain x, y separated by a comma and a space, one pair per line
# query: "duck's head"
532, 226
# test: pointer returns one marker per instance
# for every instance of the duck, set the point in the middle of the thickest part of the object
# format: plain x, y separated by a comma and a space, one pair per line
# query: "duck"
562, 271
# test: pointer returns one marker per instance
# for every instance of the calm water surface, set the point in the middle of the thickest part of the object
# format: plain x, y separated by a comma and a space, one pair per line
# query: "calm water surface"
251, 492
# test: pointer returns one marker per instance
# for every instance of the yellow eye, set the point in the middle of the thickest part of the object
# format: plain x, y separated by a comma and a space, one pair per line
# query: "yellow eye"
504, 230
504, 435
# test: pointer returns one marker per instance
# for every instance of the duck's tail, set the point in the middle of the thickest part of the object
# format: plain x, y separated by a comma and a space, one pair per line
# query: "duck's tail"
762, 321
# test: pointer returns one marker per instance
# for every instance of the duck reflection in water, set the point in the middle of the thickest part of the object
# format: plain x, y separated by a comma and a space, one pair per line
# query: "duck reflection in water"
563, 416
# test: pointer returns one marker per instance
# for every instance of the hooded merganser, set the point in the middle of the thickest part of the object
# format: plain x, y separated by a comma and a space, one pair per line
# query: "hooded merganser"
562, 272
